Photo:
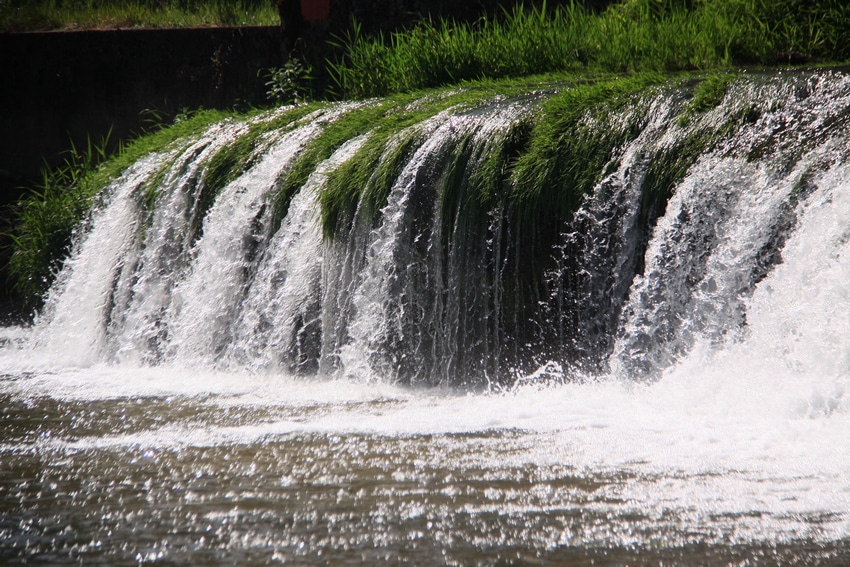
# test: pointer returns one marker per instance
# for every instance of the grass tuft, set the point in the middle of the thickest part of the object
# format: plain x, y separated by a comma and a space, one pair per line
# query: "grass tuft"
48, 215
570, 147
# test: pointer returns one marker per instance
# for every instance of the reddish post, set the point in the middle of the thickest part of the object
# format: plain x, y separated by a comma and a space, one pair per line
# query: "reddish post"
316, 9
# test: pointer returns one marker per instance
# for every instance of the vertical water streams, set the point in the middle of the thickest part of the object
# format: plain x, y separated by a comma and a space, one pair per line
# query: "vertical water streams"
207, 302
136, 325
425, 307
414, 292
75, 319
601, 245
726, 224
281, 321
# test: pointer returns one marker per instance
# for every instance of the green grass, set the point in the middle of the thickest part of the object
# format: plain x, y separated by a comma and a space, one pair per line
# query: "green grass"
365, 180
46, 218
631, 36
44, 15
573, 141
543, 167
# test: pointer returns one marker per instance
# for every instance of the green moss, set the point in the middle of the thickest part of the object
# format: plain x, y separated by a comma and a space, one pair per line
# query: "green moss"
364, 180
354, 123
708, 94
572, 141
367, 177
155, 141
237, 157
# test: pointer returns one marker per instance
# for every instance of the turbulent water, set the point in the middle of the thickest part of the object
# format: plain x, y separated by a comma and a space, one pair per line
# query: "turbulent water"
210, 383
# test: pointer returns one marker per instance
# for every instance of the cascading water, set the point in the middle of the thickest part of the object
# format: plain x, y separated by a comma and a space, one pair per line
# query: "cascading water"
414, 313
220, 375
282, 318
723, 232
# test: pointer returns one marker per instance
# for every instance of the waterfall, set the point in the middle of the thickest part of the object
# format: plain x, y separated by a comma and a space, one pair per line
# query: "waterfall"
575, 324
795, 342
726, 225
415, 316
208, 299
432, 286
280, 325
135, 326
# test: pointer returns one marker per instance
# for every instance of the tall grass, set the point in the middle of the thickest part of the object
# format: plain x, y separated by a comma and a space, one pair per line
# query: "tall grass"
45, 217
631, 36
43, 15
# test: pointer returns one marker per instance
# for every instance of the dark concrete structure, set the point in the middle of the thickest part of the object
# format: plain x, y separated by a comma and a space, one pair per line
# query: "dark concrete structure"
68, 86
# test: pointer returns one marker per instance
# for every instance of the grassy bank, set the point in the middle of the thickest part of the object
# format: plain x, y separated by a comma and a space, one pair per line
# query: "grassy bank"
631, 36
46, 15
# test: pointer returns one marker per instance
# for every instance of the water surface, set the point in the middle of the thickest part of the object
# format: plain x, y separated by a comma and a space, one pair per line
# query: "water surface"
120, 465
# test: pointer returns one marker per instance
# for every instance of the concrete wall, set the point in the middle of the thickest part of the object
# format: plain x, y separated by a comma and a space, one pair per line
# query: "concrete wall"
66, 86
58, 87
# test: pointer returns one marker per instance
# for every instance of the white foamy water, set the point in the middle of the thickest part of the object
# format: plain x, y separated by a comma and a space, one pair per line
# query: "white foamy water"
736, 456
207, 301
